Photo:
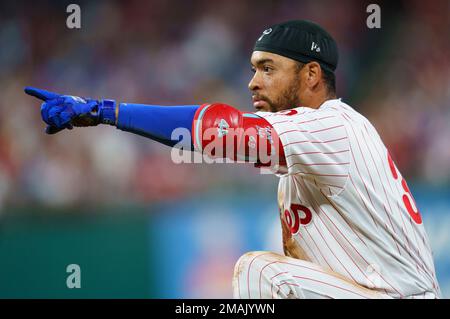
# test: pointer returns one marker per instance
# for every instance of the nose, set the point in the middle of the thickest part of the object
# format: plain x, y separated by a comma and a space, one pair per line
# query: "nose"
254, 84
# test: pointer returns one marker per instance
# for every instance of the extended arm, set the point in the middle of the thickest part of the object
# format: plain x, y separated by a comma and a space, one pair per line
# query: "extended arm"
218, 130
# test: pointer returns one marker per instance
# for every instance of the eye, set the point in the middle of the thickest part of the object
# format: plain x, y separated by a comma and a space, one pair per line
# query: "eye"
267, 68
253, 69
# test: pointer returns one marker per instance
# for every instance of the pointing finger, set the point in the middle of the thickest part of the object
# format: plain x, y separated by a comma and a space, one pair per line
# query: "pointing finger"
40, 94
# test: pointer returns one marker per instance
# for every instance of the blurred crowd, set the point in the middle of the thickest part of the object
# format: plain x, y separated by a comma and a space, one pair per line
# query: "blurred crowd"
192, 52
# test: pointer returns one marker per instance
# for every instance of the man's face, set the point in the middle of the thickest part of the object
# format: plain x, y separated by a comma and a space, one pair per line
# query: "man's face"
276, 84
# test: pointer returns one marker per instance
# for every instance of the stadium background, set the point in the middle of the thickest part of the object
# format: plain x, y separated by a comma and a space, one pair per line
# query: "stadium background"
140, 226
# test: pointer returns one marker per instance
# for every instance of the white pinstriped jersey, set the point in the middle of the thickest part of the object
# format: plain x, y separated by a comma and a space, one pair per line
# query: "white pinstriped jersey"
346, 204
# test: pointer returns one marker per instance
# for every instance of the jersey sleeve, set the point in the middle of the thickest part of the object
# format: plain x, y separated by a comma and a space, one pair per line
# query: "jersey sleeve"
221, 131
316, 146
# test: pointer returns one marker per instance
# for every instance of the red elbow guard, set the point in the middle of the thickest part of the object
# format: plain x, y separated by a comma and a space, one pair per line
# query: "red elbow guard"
221, 131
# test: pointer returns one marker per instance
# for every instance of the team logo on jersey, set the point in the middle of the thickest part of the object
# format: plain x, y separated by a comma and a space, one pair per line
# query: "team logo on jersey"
297, 215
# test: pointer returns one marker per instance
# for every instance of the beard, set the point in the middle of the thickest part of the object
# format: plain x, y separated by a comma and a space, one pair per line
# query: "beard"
288, 98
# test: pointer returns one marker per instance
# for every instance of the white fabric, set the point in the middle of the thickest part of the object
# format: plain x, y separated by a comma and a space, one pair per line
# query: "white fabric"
360, 228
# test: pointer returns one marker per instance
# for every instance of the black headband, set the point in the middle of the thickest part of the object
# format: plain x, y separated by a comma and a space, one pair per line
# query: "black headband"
302, 41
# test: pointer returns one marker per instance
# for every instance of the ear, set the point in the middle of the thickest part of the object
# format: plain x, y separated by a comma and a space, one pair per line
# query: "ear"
314, 74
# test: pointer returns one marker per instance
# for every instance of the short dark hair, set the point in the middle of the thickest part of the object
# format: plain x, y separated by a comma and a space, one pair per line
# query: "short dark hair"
330, 81
328, 77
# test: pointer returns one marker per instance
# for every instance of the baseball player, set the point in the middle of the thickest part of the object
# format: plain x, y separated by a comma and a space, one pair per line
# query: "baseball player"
351, 228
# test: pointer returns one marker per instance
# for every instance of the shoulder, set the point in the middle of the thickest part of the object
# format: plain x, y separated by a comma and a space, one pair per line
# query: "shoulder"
351, 117
337, 107
329, 112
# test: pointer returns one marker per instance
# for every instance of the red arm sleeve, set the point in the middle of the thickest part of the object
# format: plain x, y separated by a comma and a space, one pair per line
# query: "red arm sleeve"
222, 131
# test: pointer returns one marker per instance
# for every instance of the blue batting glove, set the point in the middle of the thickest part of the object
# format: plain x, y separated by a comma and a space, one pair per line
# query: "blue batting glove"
66, 111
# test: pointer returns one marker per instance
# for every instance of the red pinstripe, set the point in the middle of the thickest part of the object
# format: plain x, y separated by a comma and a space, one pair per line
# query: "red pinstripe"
287, 283
316, 152
317, 142
364, 160
359, 173
344, 115
271, 282
339, 213
418, 263
248, 272
333, 108
330, 185
422, 236
430, 265
412, 228
373, 186
326, 129
305, 131
328, 284
291, 264
387, 198
317, 119
318, 249
271, 279
319, 164
301, 277
316, 174
362, 200
311, 251
316, 204
284, 121
329, 141
314, 209
312, 238
301, 131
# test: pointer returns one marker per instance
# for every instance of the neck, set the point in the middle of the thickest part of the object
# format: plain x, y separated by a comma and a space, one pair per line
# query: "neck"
316, 101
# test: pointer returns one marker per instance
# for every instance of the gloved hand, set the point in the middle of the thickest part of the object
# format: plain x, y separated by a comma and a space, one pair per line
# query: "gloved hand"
66, 111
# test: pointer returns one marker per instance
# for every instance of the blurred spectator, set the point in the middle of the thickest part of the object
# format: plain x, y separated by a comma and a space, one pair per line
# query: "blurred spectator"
149, 52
